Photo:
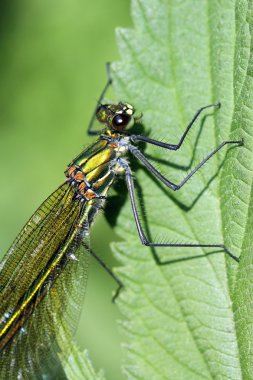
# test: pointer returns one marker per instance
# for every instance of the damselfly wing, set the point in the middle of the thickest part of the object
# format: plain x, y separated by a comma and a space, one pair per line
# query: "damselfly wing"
43, 275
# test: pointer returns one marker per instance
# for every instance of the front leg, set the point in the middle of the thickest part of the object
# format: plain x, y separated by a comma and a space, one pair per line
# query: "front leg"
136, 138
90, 131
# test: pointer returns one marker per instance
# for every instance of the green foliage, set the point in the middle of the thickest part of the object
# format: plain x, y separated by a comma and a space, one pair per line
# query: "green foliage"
191, 319
79, 366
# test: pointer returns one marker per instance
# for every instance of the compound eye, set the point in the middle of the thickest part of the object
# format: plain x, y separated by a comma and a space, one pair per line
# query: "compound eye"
120, 121
102, 113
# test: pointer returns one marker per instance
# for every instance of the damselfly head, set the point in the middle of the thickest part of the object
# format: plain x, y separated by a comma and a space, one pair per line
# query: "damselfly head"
117, 116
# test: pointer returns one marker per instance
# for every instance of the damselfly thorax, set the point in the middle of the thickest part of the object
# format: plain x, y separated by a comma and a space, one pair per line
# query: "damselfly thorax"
94, 170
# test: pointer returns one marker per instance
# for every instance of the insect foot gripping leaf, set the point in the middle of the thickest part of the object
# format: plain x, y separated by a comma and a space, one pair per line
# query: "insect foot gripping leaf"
192, 318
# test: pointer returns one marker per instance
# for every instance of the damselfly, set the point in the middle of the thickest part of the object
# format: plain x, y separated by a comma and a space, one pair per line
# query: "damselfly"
39, 295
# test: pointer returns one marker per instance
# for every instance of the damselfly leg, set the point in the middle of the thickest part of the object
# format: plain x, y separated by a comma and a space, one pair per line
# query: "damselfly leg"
90, 130
107, 269
173, 186
168, 183
161, 144
143, 238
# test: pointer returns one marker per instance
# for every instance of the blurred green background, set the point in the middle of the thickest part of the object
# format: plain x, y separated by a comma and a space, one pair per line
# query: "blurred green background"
52, 64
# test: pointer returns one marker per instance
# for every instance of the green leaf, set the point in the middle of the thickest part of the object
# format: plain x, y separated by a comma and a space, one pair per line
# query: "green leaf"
190, 319
79, 366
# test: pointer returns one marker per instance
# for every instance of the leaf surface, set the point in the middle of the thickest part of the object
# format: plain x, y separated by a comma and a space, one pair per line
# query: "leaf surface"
192, 318
79, 366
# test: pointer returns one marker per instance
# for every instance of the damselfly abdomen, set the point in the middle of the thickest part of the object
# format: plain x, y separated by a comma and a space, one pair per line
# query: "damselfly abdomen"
39, 297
